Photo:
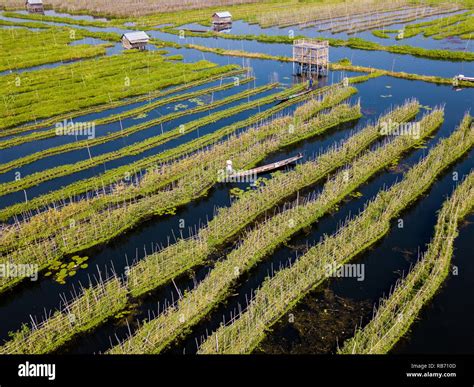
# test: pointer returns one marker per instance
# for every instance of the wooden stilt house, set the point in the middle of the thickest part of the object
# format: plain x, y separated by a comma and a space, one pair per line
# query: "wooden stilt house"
137, 39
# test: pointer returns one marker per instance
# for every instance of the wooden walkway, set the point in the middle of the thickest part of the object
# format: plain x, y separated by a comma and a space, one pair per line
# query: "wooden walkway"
268, 167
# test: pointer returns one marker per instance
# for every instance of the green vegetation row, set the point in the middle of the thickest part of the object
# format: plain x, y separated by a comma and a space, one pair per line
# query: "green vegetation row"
156, 269
341, 65
96, 304
50, 331
281, 292
50, 92
221, 72
133, 149
461, 26
124, 73
347, 66
238, 53
52, 221
49, 222
141, 110
254, 203
103, 35
351, 27
8, 23
134, 112
157, 177
75, 73
33, 48
398, 312
101, 227
83, 33
355, 43
78, 73
153, 336
97, 183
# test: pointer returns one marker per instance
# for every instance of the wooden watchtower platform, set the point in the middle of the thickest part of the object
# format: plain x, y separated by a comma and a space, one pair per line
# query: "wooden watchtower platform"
310, 56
